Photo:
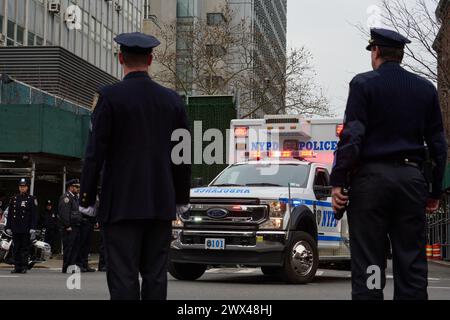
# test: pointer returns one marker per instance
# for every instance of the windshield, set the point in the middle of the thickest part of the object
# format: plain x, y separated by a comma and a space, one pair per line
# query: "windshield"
264, 175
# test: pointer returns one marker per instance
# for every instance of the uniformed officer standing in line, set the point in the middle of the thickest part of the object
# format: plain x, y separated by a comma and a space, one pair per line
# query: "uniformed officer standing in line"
50, 224
101, 249
22, 223
86, 231
391, 114
132, 125
70, 220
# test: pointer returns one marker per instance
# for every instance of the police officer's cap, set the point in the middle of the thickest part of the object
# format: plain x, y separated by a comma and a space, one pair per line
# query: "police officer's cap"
136, 42
74, 182
386, 38
24, 182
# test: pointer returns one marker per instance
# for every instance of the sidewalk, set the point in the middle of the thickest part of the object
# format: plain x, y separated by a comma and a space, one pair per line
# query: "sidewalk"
440, 263
56, 263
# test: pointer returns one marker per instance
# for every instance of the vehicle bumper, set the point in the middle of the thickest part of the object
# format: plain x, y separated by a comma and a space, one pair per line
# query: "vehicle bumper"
256, 249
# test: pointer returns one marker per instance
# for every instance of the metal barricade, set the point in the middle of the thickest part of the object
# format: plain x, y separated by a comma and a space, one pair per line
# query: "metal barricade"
438, 231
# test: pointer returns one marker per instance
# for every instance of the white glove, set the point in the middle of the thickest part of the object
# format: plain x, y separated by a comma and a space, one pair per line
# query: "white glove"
90, 212
9, 232
181, 209
32, 235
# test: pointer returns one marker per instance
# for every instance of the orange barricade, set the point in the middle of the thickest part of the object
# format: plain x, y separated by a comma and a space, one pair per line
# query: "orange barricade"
437, 255
429, 252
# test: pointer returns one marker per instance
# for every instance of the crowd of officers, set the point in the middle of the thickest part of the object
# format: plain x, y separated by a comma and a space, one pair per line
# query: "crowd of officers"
64, 221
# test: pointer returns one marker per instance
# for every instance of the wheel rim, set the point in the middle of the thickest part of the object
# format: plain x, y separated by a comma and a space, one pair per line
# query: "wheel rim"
302, 258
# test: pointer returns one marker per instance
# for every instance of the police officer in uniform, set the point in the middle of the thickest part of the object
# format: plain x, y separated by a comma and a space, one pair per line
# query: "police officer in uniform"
391, 113
22, 223
70, 220
101, 249
50, 224
130, 138
86, 231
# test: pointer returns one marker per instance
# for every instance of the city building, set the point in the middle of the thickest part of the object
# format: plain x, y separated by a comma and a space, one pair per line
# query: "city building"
442, 46
439, 224
267, 21
84, 27
54, 55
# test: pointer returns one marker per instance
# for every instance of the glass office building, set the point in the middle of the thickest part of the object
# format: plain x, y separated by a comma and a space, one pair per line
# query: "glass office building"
86, 30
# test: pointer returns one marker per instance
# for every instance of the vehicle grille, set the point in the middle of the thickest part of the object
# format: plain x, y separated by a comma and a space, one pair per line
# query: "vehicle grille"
245, 214
229, 240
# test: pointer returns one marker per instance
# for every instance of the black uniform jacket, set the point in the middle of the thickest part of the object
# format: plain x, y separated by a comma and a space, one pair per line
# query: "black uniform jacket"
49, 220
391, 114
130, 143
22, 214
68, 211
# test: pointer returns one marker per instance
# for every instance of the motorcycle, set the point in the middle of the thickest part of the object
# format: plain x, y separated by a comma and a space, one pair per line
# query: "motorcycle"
40, 251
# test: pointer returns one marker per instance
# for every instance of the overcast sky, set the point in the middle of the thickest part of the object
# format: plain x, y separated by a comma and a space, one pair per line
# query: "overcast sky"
326, 28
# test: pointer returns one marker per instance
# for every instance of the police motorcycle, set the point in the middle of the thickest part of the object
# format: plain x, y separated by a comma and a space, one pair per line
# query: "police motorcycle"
40, 251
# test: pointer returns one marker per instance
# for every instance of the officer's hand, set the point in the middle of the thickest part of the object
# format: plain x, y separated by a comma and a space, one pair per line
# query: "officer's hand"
339, 199
69, 229
9, 232
432, 206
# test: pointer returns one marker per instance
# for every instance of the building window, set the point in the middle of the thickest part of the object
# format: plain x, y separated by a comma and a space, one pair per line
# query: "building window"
147, 13
186, 8
30, 38
11, 27
215, 19
85, 22
20, 34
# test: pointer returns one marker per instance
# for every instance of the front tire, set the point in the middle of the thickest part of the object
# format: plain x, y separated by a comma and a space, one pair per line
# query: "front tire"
301, 259
186, 271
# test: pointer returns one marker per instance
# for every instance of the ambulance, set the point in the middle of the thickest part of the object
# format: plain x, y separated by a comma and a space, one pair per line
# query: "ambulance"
270, 209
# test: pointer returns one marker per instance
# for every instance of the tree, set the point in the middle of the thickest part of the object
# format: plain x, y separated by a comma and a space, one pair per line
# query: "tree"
419, 23
218, 56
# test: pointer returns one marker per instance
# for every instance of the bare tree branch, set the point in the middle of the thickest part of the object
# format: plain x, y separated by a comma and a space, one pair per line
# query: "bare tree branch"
203, 59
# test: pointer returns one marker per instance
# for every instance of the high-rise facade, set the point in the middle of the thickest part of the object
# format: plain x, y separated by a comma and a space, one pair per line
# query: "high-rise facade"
84, 27
54, 55
266, 19
270, 29
442, 46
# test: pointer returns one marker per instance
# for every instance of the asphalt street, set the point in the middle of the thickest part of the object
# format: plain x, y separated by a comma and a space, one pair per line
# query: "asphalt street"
216, 284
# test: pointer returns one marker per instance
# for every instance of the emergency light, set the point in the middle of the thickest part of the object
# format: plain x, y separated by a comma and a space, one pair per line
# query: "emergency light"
257, 155
339, 129
241, 132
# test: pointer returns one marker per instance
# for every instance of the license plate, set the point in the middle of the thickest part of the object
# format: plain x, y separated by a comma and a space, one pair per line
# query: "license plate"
215, 244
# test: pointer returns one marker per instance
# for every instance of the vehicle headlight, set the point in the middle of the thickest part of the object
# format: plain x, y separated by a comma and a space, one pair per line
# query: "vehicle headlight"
272, 224
277, 209
276, 215
178, 223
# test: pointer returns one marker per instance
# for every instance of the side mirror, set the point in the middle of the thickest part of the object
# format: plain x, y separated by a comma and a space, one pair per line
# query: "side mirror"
322, 192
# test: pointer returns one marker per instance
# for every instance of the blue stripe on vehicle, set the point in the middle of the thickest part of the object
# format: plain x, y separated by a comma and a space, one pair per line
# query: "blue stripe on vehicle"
324, 204
329, 238
299, 202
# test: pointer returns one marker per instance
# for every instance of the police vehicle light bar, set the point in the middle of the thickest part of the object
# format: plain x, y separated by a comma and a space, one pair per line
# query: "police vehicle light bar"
257, 155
